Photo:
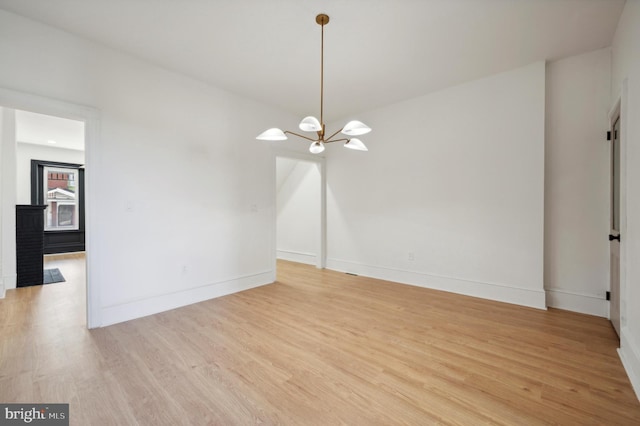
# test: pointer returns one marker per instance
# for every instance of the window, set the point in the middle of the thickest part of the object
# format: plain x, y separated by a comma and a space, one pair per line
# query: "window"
62, 212
60, 187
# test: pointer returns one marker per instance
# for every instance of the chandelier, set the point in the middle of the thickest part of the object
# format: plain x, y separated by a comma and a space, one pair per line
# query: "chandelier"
311, 124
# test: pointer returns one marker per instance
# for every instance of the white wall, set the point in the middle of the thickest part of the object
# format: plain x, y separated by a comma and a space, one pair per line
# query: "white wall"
453, 180
2, 291
7, 210
177, 168
626, 84
298, 210
577, 183
27, 152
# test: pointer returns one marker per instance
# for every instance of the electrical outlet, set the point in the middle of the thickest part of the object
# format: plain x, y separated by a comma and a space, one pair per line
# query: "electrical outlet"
412, 256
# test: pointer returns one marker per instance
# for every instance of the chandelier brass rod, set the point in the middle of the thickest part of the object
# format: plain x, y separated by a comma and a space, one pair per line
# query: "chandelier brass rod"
337, 140
300, 136
322, 75
334, 134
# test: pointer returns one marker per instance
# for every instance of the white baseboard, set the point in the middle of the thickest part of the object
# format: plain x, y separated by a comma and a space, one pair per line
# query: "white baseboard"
153, 305
10, 281
294, 256
578, 302
629, 353
484, 290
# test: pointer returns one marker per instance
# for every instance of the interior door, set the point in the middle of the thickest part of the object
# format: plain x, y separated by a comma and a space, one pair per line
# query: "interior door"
614, 236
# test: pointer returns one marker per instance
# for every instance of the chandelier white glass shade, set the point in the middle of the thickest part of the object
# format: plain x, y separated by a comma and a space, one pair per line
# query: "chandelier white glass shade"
272, 135
355, 144
316, 147
312, 124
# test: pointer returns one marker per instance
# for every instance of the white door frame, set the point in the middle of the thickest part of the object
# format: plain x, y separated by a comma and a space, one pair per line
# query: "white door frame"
619, 108
91, 117
614, 218
321, 260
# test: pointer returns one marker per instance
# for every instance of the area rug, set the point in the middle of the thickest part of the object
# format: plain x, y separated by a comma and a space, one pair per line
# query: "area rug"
52, 276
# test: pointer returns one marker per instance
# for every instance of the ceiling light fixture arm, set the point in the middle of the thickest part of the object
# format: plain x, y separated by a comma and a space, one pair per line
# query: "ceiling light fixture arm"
330, 137
337, 140
299, 135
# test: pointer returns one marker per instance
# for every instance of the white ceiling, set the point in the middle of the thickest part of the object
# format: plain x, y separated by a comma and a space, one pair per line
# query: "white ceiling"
50, 131
377, 52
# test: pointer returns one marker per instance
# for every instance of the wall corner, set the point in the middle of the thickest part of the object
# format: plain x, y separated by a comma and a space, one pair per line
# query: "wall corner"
629, 353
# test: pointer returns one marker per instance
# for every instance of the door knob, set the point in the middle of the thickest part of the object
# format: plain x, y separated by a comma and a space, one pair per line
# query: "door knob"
614, 237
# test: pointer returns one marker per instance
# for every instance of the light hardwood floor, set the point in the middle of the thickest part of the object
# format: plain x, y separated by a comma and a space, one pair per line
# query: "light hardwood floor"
315, 348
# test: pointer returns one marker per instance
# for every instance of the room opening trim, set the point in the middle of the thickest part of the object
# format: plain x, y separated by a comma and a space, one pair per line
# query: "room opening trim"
321, 259
91, 117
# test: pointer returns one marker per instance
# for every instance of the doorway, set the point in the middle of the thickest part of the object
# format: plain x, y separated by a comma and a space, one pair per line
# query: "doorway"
300, 209
49, 159
10, 102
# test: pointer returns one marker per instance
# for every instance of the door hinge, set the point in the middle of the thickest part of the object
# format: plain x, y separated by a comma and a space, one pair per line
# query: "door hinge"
609, 135
608, 295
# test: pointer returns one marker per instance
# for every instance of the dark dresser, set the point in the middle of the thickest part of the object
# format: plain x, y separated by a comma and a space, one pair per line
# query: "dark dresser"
29, 244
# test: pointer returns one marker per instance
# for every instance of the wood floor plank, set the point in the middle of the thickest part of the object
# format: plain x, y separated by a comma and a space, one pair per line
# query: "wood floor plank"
315, 348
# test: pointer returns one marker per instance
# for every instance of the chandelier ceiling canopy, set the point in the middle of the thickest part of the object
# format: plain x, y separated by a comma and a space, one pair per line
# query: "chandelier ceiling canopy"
312, 124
